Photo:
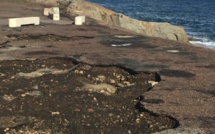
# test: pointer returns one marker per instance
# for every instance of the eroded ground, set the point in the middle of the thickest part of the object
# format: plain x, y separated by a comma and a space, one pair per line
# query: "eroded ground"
59, 95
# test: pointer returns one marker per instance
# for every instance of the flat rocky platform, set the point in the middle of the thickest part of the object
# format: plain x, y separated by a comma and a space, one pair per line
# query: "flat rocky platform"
43, 94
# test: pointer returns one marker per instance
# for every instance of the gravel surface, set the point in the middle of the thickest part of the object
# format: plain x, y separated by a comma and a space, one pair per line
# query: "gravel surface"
59, 95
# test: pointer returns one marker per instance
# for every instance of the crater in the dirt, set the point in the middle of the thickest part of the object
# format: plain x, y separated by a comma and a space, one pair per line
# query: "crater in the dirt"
62, 95
46, 37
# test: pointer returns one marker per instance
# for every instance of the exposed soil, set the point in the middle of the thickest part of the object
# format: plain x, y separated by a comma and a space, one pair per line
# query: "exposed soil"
58, 100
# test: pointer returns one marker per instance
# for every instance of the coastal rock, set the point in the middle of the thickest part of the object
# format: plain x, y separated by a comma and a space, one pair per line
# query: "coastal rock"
153, 29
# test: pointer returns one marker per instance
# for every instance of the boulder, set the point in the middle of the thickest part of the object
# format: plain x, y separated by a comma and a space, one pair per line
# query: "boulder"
153, 29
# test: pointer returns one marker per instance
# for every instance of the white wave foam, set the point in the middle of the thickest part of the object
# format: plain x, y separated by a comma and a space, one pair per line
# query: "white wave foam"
208, 44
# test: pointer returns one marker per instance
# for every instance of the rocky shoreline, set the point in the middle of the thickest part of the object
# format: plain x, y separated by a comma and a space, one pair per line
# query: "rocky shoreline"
97, 84
111, 18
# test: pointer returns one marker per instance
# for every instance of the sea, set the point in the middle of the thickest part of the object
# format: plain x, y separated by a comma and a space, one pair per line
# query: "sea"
196, 16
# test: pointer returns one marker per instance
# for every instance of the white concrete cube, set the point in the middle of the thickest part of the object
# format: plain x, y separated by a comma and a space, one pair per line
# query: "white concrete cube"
79, 20
53, 13
47, 11
18, 22
56, 16
56, 10
83, 19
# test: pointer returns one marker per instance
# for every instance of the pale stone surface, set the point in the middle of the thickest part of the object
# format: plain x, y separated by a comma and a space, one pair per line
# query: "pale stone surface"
79, 20
153, 83
18, 22
53, 12
83, 18
47, 11
56, 16
56, 10
162, 30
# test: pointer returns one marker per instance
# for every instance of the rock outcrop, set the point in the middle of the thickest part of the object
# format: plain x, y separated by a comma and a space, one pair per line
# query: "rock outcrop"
153, 29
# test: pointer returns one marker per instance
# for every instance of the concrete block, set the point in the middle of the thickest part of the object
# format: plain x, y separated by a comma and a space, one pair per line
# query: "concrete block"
47, 11
83, 19
18, 22
53, 10
79, 20
53, 13
56, 10
56, 16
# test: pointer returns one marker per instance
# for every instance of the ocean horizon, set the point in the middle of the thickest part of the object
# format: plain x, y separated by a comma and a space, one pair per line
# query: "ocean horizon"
197, 17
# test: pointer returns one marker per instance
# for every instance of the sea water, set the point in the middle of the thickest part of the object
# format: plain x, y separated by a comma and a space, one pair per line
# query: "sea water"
196, 16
